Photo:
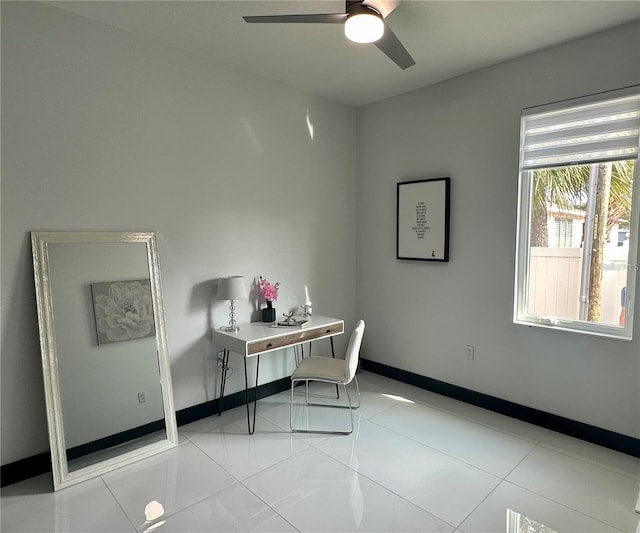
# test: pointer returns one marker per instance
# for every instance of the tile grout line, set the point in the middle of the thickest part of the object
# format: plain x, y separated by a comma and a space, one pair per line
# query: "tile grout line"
268, 505
500, 483
564, 505
437, 450
557, 502
537, 444
592, 462
117, 502
386, 489
238, 481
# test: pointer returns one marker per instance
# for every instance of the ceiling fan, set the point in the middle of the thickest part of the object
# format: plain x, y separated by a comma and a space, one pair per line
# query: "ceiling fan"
363, 21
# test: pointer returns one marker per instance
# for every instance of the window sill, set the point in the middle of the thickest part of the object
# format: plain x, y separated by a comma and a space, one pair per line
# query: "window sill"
606, 332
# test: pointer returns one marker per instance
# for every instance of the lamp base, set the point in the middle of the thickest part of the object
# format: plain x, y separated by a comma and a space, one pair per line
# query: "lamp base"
230, 328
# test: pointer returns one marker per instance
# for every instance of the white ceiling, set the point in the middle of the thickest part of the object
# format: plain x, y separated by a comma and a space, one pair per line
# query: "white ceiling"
446, 38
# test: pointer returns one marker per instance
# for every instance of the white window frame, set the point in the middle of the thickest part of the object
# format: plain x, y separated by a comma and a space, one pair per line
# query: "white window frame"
520, 313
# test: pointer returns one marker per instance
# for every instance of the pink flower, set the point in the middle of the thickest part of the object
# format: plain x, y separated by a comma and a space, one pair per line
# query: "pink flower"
269, 290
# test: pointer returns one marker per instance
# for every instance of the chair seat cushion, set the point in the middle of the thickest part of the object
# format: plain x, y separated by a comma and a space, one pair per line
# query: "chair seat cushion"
326, 368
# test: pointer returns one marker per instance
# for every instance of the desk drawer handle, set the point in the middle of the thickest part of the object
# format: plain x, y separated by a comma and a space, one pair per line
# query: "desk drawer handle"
269, 345
328, 331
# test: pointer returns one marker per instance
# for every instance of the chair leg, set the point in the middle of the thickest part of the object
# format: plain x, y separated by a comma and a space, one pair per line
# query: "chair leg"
350, 407
307, 395
358, 390
293, 384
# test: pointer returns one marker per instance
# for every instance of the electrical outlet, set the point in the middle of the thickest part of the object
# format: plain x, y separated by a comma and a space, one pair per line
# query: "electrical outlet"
468, 350
141, 397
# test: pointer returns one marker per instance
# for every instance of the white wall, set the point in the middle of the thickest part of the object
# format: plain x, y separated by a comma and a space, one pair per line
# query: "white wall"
420, 315
104, 131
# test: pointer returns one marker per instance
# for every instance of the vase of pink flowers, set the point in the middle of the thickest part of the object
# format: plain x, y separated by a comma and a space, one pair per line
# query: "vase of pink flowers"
269, 292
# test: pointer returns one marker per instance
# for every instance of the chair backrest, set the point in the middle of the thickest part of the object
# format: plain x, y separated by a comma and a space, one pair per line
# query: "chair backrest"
353, 351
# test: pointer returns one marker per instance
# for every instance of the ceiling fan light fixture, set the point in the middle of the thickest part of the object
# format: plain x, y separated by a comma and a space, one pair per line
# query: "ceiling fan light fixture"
364, 26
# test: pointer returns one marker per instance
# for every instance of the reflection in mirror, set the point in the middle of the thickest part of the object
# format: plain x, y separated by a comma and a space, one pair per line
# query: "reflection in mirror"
104, 355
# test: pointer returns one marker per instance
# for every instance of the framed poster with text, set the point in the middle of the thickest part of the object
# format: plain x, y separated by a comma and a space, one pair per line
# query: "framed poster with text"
422, 220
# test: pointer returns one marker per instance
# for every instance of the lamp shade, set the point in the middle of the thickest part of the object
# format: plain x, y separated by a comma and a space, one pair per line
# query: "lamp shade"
231, 288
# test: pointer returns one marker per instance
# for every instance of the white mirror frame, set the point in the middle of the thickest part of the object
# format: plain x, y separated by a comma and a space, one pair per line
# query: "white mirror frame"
62, 477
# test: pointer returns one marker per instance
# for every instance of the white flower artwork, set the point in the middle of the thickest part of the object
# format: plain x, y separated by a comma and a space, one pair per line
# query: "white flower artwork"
123, 310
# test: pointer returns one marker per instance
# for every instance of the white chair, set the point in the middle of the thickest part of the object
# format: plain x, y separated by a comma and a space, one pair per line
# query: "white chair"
330, 370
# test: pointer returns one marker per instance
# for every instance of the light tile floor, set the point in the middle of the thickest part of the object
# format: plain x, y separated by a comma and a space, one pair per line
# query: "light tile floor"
416, 461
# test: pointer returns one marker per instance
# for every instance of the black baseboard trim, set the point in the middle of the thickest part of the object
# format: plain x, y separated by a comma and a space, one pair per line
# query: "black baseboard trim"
41, 463
25, 468
602, 437
114, 440
203, 410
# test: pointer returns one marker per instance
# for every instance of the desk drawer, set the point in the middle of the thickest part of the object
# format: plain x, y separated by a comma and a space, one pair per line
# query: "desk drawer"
295, 337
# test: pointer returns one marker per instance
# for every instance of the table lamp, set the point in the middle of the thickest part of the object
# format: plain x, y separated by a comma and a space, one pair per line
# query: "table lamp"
231, 288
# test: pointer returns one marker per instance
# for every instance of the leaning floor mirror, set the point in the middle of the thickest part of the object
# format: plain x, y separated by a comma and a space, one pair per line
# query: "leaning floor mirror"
104, 353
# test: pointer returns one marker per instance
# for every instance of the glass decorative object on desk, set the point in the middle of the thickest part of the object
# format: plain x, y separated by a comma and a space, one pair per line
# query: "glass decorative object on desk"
307, 308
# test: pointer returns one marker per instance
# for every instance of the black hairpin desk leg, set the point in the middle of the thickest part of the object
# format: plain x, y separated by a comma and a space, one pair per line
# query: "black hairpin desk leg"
223, 378
333, 354
251, 424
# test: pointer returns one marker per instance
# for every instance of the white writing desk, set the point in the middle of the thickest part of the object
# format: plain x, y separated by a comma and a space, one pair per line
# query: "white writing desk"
253, 340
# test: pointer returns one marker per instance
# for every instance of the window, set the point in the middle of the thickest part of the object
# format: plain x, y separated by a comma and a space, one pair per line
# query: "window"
578, 215
563, 231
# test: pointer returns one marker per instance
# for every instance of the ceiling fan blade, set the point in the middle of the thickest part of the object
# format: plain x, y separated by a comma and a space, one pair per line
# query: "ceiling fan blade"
390, 45
329, 18
383, 6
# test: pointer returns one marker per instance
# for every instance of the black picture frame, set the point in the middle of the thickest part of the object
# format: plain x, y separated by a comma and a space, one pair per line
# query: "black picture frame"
422, 219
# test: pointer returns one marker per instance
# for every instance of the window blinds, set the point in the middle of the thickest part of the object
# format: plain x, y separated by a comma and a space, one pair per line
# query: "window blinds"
605, 130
